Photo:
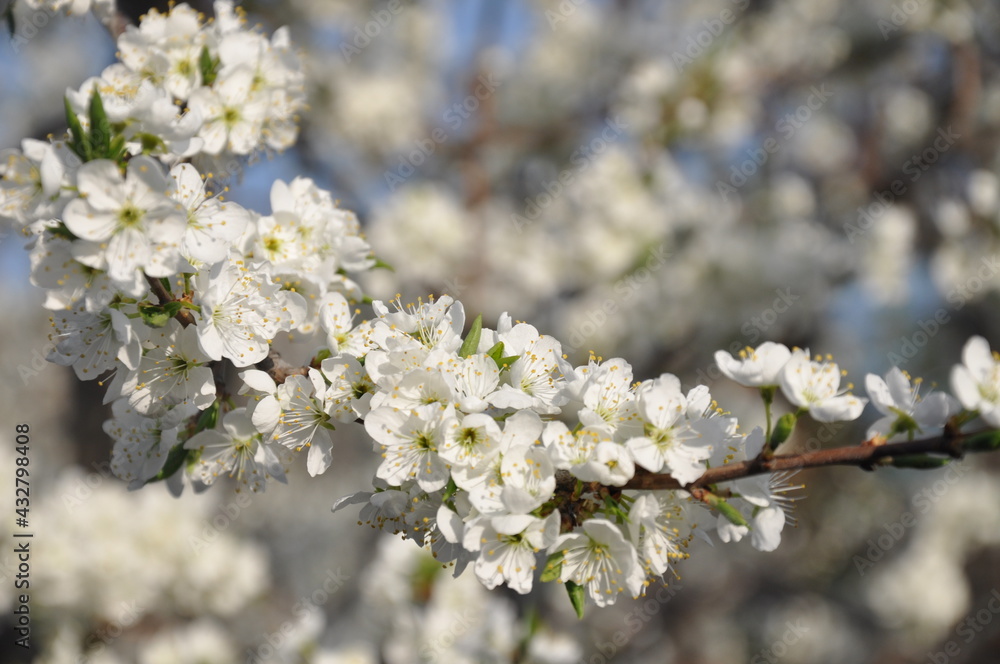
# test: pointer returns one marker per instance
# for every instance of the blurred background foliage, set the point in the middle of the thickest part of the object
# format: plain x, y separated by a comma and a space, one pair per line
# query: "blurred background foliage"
648, 180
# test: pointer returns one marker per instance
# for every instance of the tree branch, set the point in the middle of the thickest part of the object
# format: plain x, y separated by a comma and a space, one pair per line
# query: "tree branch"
866, 455
278, 369
184, 316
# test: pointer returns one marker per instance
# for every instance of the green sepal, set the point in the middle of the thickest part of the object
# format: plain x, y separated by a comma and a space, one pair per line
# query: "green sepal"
471, 343
80, 143
60, 231
612, 508
553, 568
149, 142
904, 424
496, 353
157, 315
320, 356
919, 461
782, 430
576, 597
725, 509
379, 263
983, 442
175, 459
100, 127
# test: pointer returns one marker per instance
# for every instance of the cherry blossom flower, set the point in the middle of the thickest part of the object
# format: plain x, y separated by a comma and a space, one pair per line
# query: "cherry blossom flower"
976, 381
815, 386
599, 558
906, 413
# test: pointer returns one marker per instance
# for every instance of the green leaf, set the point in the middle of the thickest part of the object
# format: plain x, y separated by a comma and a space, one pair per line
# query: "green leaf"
100, 127
782, 430
209, 66
80, 144
576, 597
209, 417
117, 149
919, 461
175, 459
983, 442
553, 568
471, 343
450, 489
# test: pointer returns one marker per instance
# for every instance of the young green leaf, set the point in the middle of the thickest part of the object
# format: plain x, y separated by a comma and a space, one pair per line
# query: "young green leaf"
783, 429
983, 442
80, 143
919, 461
209, 66
471, 343
576, 597
209, 417
175, 459
100, 127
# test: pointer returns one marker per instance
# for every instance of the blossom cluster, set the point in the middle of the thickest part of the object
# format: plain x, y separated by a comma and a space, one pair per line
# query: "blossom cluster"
153, 278
495, 450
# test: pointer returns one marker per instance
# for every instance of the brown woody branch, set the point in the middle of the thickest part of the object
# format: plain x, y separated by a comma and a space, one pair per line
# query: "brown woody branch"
278, 369
184, 316
867, 455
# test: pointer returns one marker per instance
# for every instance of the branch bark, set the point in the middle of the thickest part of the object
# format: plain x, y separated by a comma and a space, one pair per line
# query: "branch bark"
867, 455
184, 316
